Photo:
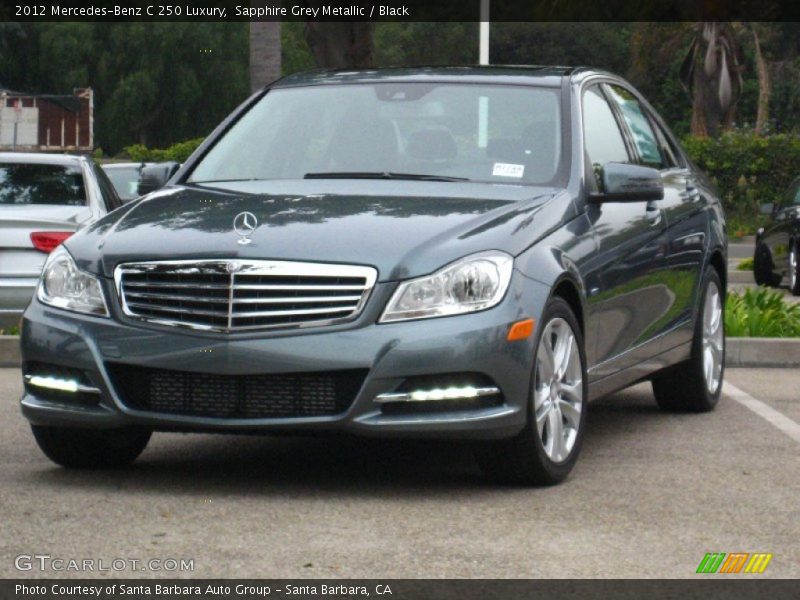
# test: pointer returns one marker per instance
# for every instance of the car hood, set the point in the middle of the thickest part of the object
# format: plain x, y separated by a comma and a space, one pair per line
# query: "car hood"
403, 228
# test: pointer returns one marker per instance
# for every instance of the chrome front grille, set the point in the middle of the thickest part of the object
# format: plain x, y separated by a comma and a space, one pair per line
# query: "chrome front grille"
241, 295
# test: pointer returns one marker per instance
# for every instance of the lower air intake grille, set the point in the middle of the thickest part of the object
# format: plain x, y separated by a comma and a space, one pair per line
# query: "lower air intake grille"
315, 394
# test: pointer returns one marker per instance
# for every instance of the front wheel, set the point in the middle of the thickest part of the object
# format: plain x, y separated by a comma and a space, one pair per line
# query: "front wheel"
763, 271
546, 450
90, 448
794, 269
695, 385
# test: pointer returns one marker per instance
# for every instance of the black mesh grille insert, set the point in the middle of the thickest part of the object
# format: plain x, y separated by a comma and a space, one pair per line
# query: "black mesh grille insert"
312, 394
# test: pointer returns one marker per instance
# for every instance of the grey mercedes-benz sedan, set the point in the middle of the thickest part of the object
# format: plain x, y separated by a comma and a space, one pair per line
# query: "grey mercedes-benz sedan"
437, 252
44, 198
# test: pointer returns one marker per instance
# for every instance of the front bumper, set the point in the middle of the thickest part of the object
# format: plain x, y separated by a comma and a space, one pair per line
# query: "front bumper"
391, 353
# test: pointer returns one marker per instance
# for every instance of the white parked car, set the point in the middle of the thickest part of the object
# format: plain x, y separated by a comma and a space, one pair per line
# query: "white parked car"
44, 198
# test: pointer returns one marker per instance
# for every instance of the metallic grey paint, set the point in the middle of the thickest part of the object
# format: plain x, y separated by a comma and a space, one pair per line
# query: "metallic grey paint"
630, 269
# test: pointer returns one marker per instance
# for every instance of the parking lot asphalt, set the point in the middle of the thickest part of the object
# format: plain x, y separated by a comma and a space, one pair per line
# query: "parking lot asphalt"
652, 494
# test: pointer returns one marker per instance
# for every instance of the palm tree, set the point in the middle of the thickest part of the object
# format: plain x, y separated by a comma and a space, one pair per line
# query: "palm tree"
712, 75
265, 53
340, 45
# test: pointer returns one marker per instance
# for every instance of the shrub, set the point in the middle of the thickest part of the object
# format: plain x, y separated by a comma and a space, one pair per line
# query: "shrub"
746, 264
178, 152
761, 312
748, 169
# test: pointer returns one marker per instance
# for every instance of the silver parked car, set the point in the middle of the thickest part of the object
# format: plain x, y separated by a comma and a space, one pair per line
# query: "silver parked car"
44, 198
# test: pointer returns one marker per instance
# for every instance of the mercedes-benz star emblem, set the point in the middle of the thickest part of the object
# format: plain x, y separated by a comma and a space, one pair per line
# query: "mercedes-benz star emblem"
244, 224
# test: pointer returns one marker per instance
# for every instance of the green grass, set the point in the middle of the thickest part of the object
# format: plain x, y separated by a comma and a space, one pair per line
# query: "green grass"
761, 312
10, 331
746, 264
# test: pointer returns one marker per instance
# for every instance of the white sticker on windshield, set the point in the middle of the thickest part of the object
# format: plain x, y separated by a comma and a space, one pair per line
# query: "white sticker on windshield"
508, 170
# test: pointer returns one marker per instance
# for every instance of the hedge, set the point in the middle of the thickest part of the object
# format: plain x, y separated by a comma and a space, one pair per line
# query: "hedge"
748, 170
178, 152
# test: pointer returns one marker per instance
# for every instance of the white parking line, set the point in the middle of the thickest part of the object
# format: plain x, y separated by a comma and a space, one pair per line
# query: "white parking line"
766, 412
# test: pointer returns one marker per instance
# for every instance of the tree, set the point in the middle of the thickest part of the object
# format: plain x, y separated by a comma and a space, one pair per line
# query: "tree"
265, 53
711, 72
339, 45
764, 84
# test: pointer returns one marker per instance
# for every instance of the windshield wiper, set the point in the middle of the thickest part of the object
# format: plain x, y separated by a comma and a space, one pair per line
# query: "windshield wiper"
380, 175
224, 180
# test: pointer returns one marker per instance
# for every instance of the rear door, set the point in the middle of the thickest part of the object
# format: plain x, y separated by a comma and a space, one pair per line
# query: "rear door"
682, 208
625, 299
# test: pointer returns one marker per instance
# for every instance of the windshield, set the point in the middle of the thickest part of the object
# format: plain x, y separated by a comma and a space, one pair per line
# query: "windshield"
496, 133
125, 180
41, 184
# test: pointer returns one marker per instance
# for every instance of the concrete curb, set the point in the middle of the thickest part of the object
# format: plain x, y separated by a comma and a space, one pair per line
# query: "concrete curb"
740, 352
9, 351
740, 277
762, 352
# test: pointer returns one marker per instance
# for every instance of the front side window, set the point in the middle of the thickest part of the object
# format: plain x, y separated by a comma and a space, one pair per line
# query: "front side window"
603, 140
643, 136
501, 134
125, 181
110, 197
41, 184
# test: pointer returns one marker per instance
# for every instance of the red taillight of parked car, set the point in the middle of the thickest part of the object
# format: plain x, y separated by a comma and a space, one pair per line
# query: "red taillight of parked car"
46, 241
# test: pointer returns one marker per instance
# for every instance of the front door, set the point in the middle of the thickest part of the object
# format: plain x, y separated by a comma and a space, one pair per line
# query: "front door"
626, 298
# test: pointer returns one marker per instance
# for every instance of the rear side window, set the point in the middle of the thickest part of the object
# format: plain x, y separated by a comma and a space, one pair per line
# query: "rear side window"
603, 140
644, 138
41, 184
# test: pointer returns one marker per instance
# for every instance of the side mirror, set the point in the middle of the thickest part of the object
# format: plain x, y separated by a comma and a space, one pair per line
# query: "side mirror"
767, 208
154, 177
629, 183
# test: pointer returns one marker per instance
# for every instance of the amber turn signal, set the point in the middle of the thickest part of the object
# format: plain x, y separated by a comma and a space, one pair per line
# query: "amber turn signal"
521, 330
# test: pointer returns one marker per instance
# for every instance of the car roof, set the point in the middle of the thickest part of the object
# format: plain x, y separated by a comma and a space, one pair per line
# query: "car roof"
550, 76
36, 158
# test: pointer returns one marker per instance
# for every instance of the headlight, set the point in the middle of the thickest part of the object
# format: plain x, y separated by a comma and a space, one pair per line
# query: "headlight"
473, 283
64, 286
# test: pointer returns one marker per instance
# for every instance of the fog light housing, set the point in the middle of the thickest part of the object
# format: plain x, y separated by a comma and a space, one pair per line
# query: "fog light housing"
441, 393
60, 384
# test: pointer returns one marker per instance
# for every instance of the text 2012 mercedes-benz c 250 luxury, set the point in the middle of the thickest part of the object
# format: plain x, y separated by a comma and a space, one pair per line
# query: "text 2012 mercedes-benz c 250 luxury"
437, 252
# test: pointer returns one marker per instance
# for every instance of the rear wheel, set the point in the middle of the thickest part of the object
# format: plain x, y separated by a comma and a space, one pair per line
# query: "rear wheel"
695, 385
547, 449
90, 448
794, 275
763, 271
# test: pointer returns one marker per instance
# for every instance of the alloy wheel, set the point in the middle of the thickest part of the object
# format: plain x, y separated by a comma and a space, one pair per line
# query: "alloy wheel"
713, 338
793, 268
558, 390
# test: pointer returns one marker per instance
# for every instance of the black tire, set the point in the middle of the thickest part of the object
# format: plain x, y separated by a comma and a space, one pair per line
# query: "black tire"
763, 269
683, 388
794, 282
522, 460
90, 448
